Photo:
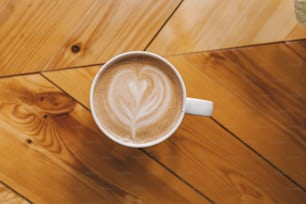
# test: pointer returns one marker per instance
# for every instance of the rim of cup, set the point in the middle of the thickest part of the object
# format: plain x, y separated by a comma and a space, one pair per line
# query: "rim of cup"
126, 55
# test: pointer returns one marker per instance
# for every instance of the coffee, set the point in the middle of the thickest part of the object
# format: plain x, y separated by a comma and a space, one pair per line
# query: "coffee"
138, 99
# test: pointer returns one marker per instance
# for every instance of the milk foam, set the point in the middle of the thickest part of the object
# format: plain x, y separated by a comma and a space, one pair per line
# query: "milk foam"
138, 97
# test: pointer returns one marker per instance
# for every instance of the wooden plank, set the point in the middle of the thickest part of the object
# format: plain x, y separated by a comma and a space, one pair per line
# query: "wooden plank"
299, 47
7, 195
39, 35
267, 108
214, 162
52, 152
84, 75
200, 25
298, 32
243, 120
208, 157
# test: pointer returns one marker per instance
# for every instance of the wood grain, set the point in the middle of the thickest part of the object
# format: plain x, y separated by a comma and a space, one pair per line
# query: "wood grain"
299, 47
10, 197
65, 159
264, 102
212, 160
84, 75
215, 24
207, 154
38, 35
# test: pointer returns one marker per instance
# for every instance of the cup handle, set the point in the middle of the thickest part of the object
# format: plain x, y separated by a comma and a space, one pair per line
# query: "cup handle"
197, 106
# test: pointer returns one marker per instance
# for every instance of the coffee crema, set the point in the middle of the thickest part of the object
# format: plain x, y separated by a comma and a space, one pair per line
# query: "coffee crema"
138, 99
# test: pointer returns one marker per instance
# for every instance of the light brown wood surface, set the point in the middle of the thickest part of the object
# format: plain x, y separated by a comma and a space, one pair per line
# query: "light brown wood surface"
298, 32
252, 150
65, 159
200, 25
83, 75
7, 195
202, 153
38, 35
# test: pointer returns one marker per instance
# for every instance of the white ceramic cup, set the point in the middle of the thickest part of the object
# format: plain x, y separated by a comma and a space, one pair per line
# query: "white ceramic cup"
190, 105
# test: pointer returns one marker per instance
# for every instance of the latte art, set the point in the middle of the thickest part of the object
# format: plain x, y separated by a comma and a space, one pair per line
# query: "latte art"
138, 100
144, 100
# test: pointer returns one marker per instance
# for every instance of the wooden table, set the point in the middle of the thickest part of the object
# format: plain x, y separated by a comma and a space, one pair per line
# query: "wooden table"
246, 56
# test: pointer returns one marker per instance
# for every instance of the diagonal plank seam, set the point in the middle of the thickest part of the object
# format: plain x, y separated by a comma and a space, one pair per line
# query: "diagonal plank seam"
163, 25
142, 150
16, 75
295, 52
54, 84
39, 72
258, 154
225, 49
73, 67
176, 175
12, 189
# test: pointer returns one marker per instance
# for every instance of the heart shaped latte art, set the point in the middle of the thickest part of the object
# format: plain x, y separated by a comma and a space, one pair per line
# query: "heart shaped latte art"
138, 98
